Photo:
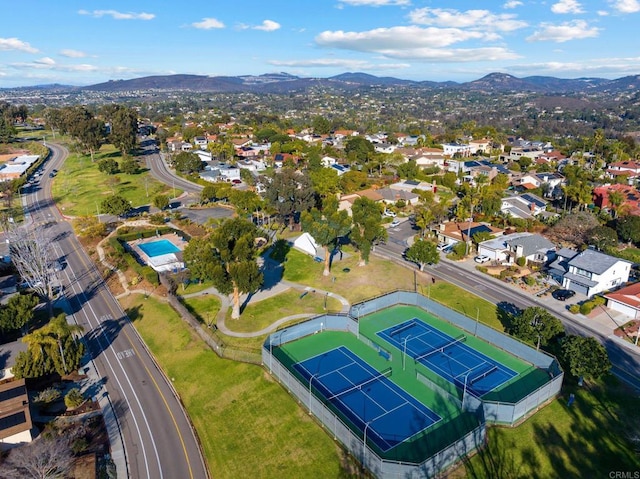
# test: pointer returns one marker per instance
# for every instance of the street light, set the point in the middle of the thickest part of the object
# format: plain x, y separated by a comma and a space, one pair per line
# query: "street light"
364, 445
404, 349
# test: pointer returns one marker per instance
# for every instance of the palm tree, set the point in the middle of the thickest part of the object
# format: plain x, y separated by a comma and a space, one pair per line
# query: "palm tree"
59, 329
37, 342
615, 200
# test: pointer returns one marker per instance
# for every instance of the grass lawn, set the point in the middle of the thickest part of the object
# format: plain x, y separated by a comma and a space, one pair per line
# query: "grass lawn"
588, 439
80, 187
249, 426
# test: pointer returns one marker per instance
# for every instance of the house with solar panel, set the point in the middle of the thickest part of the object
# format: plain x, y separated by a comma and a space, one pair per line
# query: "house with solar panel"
508, 248
525, 206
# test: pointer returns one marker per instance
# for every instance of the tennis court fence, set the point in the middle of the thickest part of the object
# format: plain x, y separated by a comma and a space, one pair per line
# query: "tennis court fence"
379, 467
500, 412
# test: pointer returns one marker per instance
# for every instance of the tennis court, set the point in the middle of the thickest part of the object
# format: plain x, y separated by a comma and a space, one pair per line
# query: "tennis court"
447, 356
380, 409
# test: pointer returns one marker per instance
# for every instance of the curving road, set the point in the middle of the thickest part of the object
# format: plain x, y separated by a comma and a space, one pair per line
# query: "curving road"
150, 433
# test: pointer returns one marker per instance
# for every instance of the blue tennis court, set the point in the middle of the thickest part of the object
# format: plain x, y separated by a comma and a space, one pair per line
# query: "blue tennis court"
366, 397
448, 357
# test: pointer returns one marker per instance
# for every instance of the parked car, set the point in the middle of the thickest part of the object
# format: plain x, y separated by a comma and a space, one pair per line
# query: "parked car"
481, 259
389, 213
443, 247
394, 223
563, 294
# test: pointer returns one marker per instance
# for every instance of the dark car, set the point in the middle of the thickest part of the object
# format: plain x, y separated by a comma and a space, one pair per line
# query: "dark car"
563, 294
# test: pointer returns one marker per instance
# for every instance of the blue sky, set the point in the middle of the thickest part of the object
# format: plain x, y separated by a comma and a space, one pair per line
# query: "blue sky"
85, 42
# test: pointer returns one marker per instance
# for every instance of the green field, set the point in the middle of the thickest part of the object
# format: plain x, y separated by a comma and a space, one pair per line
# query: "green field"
249, 426
79, 187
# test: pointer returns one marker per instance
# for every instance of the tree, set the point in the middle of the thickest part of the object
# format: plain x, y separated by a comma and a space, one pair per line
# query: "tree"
422, 253
186, 162
50, 349
585, 357
289, 193
326, 226
48, 457
359, 150
325, 181
602, 237
161, 201
536, 325
32, 255
616, 198
18, 312
367, 227
129, 166
573, 228
124, 128
108, 166
228, 259
215, 191
7, 131
115, 205
628, 228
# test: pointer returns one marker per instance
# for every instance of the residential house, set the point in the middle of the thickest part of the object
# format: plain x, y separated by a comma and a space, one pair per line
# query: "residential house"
482, 146
218, 171
200, 142
411, 185
453, 232
589, 272
387, 148
525, 206
450, 149
346, 201
16, 427
508, 248
392, 196
631, 169
625, 300
630, 203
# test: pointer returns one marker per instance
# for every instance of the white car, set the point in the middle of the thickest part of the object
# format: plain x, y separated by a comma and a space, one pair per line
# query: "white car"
394, 223
481, 259
443, 246
389, 213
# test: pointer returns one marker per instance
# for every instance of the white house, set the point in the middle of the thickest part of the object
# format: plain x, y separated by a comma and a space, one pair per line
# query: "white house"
589, 272
508, 248
451, 149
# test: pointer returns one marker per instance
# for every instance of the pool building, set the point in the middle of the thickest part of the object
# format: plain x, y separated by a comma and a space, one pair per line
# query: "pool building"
162, 253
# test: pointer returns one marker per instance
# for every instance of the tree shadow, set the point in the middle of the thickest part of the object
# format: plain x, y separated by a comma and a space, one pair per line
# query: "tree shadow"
100, 338
505, 312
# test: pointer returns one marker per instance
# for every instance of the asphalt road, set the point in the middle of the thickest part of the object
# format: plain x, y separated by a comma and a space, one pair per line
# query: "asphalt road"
154, 429
626, 362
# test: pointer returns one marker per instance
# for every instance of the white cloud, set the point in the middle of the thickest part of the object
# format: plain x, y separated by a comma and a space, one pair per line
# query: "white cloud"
626, 6
470, 19
344, 63
268, 26
603, 13
375, 3
118, 15
72, 53
208, 24
47, 63
574, 30
512, 4
15, 44
607, 66
396, 38
567, 6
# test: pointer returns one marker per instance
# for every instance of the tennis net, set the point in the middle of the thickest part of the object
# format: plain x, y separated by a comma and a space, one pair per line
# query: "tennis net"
384, 374
441, 349
482, 375
404, 327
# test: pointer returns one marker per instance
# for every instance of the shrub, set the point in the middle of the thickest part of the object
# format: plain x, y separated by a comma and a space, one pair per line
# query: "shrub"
79, 445
574, 308
482, 269
530, 280
521, 261
598, 301
47, 396
74, 399
586, 307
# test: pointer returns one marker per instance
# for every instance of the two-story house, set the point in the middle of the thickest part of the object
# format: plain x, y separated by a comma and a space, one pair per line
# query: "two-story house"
508, 248
590, 271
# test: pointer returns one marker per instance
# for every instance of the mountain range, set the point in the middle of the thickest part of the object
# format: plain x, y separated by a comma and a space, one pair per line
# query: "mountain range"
286, 83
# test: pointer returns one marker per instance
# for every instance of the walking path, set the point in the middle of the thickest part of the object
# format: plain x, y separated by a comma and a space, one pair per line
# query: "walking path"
273, 285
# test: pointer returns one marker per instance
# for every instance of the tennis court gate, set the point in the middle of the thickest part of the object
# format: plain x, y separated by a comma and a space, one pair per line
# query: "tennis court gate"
378, 466
495, 412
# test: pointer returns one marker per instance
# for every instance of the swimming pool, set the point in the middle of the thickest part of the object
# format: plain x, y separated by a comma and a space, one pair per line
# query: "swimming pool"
158, 248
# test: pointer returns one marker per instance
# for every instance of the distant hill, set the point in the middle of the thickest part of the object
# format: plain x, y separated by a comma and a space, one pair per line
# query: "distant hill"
287, 83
